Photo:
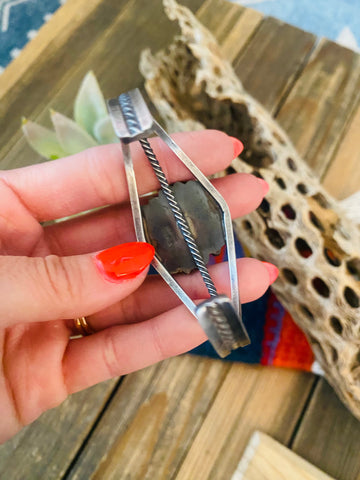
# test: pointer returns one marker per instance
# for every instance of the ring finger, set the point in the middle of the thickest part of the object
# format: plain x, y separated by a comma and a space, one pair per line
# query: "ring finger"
154, 297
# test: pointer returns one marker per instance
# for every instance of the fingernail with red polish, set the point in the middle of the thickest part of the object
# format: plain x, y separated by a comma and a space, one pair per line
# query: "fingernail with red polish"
272, 270
238, 146
264, 185
124, 261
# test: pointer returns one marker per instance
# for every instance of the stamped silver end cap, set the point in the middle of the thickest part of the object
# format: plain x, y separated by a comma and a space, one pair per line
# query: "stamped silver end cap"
130, 116
222, 325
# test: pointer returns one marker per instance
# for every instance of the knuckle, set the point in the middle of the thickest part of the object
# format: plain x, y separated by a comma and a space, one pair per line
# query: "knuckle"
131, 310
58, 283
112, 357
157, 341
103, 179
122, 217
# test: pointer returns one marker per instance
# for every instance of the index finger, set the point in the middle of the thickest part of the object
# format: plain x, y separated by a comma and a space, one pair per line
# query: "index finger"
96, 177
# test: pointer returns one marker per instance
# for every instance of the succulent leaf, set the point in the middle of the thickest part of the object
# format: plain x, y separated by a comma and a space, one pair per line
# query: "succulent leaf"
90, 106
104, 132
42, 140
72, 137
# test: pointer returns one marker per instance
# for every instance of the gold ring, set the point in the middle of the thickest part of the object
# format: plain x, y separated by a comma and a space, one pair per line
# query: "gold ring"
82, 327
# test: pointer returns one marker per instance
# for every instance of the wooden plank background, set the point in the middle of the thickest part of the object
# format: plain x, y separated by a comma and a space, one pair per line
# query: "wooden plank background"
189, 417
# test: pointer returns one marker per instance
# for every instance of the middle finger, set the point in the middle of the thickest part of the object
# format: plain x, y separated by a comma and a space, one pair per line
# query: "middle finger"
114, 225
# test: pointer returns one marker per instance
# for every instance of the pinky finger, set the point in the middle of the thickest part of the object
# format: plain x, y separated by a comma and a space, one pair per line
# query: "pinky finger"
124, 349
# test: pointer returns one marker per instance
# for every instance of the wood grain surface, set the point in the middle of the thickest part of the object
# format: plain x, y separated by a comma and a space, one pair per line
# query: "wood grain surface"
345, 164
328, 435
188, 417
147, 437
46, 448
326, 93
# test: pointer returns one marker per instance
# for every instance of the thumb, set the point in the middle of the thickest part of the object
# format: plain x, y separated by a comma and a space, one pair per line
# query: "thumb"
52, 287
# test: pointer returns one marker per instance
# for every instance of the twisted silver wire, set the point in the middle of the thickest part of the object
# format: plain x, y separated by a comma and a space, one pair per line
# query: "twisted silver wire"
133, 126
179, 217
129, 114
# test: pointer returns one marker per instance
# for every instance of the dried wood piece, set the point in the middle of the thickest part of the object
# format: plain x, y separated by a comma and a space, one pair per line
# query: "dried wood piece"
299, 226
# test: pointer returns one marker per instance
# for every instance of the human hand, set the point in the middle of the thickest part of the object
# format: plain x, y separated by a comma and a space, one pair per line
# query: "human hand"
50, 275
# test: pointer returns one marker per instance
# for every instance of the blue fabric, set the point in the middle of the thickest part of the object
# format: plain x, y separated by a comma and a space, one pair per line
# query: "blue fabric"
19, 21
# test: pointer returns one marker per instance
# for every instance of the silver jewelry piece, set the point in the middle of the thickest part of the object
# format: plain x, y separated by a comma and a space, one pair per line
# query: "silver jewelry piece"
219, 317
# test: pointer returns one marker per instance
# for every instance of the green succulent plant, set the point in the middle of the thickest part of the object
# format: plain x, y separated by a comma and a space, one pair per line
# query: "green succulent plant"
91, 125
